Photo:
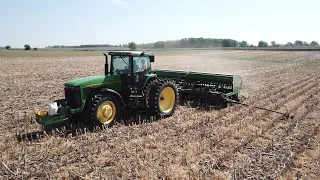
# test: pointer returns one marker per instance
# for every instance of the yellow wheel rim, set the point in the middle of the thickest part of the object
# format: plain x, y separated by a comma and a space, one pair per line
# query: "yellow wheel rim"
42, 113
167, 99
106, 112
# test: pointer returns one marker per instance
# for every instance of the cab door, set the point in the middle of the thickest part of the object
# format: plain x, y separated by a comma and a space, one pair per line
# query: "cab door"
141, 67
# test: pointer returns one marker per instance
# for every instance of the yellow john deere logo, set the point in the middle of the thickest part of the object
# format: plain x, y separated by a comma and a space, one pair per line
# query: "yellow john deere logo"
99, 84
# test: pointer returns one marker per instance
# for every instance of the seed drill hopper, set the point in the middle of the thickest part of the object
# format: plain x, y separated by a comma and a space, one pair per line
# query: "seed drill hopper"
204, 89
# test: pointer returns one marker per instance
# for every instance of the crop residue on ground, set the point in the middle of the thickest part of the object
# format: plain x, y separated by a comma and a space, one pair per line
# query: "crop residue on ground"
236, 142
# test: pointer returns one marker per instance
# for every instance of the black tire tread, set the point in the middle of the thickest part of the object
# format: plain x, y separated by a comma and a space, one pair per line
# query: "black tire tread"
154, 96
92, 108
147, 89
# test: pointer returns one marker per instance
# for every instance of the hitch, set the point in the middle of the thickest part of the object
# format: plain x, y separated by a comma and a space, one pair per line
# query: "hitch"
286, 114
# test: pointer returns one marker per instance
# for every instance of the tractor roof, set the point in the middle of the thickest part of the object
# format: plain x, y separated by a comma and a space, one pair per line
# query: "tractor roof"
129, 53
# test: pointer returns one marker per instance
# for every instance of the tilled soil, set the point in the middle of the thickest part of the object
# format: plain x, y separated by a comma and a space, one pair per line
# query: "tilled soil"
234, 143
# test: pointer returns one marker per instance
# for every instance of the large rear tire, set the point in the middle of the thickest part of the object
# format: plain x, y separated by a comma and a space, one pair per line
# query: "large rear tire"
104, 110
163, 98
147, 89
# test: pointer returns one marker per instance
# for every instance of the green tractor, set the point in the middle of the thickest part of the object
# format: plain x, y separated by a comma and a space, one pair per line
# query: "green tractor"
131, 84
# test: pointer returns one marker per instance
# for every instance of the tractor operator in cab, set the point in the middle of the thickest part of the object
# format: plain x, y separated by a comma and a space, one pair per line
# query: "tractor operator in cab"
140, 65
143, 65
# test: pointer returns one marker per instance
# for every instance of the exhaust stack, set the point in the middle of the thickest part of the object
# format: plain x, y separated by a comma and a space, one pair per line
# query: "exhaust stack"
106, 66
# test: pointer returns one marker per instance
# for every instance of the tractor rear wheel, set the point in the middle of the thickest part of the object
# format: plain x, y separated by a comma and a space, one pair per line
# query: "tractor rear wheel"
104, 110
163, 98
147, 89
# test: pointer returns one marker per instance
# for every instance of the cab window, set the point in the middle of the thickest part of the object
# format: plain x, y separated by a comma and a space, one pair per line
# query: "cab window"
121, 64
141, 64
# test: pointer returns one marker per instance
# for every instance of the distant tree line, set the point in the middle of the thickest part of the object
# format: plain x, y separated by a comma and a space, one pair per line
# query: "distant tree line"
82, 46
211, 42
195, 43
26, 47
297, 43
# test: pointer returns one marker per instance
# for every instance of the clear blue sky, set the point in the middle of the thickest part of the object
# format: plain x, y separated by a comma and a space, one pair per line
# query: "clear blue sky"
73, 22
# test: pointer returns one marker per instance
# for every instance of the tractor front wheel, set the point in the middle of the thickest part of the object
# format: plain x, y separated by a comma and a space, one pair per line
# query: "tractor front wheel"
104, 110
163, 98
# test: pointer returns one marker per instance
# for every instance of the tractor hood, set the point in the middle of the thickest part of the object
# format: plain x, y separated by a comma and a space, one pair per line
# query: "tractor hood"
92, 81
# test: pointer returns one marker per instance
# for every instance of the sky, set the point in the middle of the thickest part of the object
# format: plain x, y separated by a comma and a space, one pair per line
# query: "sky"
42, 23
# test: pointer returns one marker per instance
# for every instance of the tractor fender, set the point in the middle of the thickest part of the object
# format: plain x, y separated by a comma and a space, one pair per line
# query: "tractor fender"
114, 92
149, 78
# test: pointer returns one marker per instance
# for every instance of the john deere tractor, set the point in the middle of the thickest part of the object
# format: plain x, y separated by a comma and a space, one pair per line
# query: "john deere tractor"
130, 83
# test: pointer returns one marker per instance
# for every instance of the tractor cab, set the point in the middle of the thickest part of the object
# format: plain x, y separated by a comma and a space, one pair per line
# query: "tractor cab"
134, 67
130, 63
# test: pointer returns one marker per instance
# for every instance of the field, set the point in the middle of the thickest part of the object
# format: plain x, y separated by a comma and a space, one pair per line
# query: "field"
234, 143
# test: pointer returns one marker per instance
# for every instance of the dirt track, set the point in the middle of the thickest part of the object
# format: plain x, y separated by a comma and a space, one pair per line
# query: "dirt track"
236, 142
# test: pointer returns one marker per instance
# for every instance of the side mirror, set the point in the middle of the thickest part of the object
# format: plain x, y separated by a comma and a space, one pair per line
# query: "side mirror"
151, 58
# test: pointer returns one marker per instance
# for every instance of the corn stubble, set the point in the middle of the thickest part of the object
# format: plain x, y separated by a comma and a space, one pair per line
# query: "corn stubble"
233, 143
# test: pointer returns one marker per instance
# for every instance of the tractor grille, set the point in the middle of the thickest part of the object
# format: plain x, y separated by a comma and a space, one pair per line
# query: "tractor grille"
73, 96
